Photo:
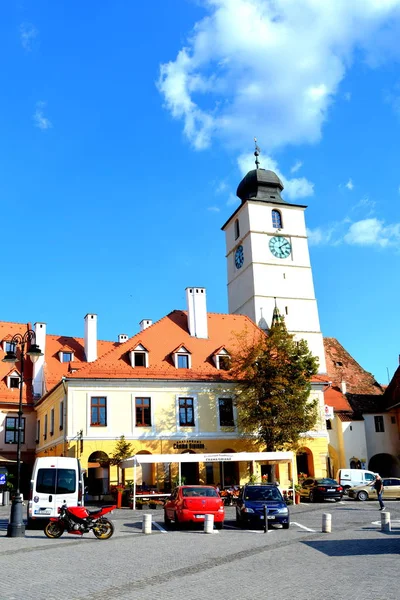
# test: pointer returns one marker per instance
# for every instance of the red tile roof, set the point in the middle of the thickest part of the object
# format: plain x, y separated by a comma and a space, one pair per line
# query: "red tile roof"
334, 397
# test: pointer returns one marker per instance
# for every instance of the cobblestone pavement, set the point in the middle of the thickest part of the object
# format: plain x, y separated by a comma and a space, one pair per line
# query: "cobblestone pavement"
356, 561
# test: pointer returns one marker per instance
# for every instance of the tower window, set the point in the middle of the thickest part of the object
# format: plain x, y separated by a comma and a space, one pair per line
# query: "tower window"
286, 310
237, 229
276, 219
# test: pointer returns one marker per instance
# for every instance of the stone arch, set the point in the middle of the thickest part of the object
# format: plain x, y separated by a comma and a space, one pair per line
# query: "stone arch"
145, 473
228, 471
98, 474
189, 471
385, 465
305, 461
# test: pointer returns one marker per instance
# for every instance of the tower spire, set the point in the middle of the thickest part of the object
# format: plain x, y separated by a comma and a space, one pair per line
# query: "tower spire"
257, 152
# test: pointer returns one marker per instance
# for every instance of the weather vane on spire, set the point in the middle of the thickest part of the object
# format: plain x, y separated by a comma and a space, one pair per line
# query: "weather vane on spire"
257, 153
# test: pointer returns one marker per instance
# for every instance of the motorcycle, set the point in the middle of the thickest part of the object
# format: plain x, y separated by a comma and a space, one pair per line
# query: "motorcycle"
77, 520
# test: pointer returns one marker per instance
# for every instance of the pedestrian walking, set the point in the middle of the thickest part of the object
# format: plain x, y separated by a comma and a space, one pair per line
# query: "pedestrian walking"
378, 485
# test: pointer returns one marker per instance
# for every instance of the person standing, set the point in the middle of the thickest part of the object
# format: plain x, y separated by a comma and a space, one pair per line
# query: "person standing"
378, 485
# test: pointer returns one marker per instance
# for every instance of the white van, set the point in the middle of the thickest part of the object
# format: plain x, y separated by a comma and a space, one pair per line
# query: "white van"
351, 477
55, 480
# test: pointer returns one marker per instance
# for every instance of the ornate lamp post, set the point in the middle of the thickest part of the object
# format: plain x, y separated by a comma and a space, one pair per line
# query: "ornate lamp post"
16, 527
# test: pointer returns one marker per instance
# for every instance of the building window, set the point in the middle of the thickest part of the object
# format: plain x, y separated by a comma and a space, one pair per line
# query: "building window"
52, 421
328, 424
225, 406
12, 430
66, 356
61, 418
223, 362
143, 412
140, 359
14, 382
183, 361
186, 412
37, 431
45, 428
237, 229
98, 412
276, 219
379, 424
393, 420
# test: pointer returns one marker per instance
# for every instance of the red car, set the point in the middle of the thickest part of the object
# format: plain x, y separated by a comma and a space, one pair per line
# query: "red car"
190, 503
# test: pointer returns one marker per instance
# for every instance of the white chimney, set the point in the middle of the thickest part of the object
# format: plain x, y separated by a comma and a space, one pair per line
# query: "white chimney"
122, 337
197, 312
145, 323
343, 387
91, 337
38, 366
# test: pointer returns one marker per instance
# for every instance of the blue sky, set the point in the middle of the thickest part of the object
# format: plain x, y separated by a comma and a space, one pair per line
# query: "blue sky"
126, 128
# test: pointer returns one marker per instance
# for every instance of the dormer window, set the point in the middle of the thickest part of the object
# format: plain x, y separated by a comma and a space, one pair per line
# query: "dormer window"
139, 356
222, 360
66, 356
8, 346
182, 358
276, 219
13, 380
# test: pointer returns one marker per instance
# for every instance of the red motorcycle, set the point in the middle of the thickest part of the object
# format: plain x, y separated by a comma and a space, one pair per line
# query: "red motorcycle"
77, 520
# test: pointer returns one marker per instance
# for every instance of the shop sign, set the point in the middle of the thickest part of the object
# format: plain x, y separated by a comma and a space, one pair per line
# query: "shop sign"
189, 445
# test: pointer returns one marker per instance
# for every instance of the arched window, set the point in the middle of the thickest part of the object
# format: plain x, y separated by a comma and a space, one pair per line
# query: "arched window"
237, 230
276, 219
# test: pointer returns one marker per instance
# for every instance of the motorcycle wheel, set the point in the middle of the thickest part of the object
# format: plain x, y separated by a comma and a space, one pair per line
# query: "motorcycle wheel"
103, 529
54, 529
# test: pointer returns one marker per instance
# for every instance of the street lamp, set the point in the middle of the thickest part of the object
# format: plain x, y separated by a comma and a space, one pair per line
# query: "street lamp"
16, 527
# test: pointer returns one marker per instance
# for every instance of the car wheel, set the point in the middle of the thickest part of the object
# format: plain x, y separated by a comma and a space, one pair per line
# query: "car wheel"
346, 489
362, 496
311, 497
167, 520
337, 499
285, 525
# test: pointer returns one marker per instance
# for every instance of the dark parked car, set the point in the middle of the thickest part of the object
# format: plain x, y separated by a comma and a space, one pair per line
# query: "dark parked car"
321, 489
251, 501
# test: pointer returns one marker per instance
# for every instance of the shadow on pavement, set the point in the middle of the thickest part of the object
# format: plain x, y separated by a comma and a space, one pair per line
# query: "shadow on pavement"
356, 547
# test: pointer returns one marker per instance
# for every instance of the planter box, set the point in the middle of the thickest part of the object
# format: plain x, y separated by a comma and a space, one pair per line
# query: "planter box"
156, 506
142, 506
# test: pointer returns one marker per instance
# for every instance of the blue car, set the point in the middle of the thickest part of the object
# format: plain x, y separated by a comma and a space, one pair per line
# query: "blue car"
251, 502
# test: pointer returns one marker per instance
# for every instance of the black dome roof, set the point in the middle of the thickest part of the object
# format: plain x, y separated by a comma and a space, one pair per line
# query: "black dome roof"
261, 184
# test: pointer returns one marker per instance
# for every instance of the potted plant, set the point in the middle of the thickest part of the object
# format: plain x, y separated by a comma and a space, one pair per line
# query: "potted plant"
140, 504
156, 504
297, 489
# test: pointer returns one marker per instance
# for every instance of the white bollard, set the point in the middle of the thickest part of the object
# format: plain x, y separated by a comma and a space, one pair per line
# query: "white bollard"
385, 522
146, 524
208, 523
326, 523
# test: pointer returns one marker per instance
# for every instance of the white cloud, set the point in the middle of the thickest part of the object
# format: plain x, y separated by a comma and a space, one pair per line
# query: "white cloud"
221, 187
39, 119
28, 34
298, 187
373, 232
349, 185
232, 200
214, 209
365, 232
296, 167
347, 96
256, 67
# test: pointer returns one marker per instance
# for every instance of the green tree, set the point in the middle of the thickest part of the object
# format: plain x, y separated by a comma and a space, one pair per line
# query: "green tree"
123, 449
274, 374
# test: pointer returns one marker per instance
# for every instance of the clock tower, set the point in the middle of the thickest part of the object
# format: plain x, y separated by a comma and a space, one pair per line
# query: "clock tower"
269, 262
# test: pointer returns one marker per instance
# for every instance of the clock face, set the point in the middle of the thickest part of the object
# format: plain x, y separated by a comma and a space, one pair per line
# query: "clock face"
239, 257
280, 246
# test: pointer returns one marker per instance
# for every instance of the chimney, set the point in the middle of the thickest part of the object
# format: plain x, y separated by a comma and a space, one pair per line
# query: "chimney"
38, 366
197, 312
145, 323
91, 337
122, 337
343, 387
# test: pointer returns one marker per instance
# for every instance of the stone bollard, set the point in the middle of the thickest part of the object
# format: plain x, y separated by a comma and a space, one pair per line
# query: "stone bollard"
146, 524
385, 522
326, 523
208, 523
